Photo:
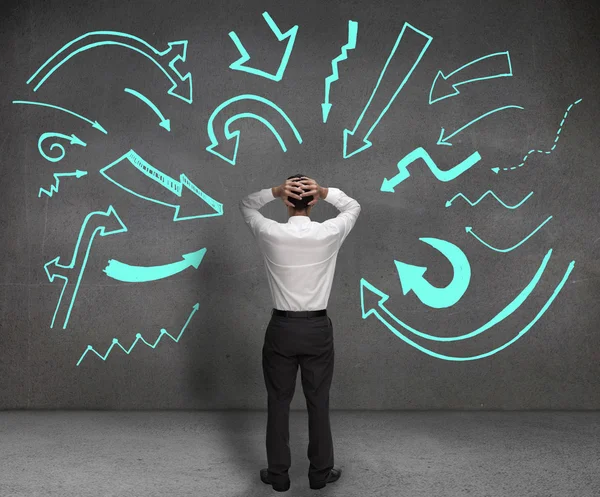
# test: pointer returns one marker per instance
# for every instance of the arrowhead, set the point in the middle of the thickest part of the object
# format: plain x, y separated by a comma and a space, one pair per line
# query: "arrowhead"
387, 186
77, 141
196, 306
442, 140
353, 145
227, 148
193, 201
409, 275
97, 125
441, 89
448, 203
166, 124
113, 223
325, 108
79, 174
370, 298
495, 169
53, 262
468, 229
183, 90
195, 258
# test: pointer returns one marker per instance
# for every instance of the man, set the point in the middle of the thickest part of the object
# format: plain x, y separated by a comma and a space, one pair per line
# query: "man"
300, 258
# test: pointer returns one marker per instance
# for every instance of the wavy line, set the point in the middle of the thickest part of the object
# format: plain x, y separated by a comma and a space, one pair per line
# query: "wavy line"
547, 152
139, 336
489, 192
351, 45
54, 188
468, 229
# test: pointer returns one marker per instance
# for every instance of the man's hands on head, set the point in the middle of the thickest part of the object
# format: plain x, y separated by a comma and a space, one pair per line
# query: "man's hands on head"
298, 188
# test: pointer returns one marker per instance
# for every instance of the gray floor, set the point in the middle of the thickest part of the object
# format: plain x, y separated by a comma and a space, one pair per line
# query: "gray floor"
220, 453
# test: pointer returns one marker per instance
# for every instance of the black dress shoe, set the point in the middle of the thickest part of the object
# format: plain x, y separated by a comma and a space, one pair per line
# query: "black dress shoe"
264, 476
334, 475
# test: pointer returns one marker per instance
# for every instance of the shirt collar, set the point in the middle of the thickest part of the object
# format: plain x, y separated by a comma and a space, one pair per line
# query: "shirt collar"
298, 219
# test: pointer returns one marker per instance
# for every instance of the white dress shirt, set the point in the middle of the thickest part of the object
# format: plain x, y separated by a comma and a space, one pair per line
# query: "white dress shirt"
300, 255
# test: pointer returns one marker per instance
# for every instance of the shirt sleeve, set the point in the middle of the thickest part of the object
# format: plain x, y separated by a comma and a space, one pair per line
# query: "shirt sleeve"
345, 220
249, 206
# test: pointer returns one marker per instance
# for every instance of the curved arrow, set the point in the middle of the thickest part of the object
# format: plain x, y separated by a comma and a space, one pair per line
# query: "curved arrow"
73, 140
489, 192
95, 124
444, 140
138, 336
54, 187
449, 89
422, 40
375, 311
420, 153
468, 229
235, 135
351, 45
165, 123
102, 218
411, 277
169, 184
133, 43
547, 152
137, 274
238, 65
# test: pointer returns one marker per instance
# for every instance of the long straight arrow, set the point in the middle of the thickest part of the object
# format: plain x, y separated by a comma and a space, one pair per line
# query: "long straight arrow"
170, 184
447, 87
95, 124
137, 274
82, 43
165, 123
413, 50
468, 229
444, 140
139, 336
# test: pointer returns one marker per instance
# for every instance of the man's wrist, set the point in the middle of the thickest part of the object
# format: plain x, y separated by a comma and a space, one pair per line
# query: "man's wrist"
323, 191
276, 190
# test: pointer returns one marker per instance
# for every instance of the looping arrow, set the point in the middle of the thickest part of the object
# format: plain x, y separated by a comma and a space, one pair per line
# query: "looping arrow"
411, 277
238, 65
73, 140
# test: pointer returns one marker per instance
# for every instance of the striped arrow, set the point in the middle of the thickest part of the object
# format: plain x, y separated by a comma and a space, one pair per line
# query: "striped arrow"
137, 274
95, 124
165, 123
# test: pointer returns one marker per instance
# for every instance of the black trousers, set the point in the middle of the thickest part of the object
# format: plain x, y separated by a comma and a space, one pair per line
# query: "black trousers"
307, 342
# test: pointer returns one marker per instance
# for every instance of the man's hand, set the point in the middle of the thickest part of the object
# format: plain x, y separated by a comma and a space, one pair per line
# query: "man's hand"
291, 188
311, 188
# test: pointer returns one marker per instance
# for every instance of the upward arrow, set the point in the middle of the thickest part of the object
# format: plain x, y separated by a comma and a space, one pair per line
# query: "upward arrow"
239, 65
413, 46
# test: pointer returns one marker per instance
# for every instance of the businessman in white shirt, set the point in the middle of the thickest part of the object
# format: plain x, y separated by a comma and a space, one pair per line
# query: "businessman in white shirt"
300, 258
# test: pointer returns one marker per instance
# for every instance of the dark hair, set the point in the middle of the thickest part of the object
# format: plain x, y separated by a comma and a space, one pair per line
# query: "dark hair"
300, 204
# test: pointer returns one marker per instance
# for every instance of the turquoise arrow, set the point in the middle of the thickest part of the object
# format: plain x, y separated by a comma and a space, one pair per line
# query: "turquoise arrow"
131, 42
468, 229
73, 140
170, 185
449, 89
366, 287
547, 152
95, 124
238, 65
165, 123
109, 223
411, 277
137, 274
138, 336
444, 140
422, 40
232, 137
420, 153
54, 187
351, 45
489, 192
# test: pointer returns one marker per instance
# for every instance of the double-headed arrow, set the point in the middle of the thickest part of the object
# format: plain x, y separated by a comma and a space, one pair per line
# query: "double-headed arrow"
131, 158
106, 223
222, 146
165, 60
411, 277
413, 43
